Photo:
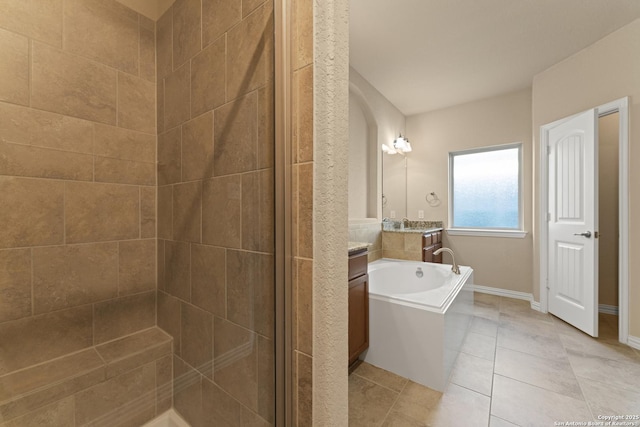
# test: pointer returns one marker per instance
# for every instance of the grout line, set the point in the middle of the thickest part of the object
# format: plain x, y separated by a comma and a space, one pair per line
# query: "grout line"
506, 421
30, 69
584, 397
49, 361
74, 307
139, 47
81, 119
213, 347
201, 211
62, 25
172, 219
493, 369
373, 381
78, 55
190, 271
545, 390
64, 214
180, 326
118, 291
181, 157
226, 285
117, 99
33, 296
140, 212
102, 242
395, 401
164, 130
155, 387
172, 8
226, 65
93, 324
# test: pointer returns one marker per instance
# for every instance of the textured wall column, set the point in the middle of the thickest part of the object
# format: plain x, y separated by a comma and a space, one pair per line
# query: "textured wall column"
330, 214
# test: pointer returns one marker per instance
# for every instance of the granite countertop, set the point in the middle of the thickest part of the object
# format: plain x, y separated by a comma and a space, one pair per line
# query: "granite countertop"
357, 246
420, 226
414, 230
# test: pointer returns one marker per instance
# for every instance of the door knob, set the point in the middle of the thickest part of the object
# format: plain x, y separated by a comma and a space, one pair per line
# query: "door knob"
586, 234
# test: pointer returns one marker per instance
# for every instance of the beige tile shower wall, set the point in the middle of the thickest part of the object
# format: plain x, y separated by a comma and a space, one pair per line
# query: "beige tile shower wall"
77, 176
215, 207
302, 123
367, 232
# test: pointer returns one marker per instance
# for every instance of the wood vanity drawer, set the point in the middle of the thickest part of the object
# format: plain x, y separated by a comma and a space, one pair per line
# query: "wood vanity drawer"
358, 264
428, 256
427, 240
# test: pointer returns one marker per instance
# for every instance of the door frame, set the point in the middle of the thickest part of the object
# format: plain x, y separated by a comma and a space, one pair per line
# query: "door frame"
620, 106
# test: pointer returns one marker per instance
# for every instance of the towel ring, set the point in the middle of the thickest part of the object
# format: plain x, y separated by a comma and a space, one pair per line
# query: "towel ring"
432, 199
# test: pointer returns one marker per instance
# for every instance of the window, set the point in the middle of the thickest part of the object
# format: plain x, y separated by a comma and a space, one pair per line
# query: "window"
485, 191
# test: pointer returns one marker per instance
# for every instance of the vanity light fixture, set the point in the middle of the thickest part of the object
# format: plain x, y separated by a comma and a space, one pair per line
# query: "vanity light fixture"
388, 150
400, 145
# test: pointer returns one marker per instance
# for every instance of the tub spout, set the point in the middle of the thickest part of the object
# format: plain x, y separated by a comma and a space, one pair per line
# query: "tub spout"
454, 267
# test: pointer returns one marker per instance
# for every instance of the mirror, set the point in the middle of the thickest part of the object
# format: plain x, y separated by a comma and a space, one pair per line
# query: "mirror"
363, 158
374, 121
394, 186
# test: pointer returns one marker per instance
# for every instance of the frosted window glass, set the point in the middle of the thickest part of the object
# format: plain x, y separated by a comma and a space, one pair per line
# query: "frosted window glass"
486, 189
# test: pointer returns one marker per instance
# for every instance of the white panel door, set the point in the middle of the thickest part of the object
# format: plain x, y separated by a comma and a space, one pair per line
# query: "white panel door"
573, 248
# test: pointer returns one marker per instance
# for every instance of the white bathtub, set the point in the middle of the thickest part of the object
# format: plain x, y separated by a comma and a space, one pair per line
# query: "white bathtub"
417, 325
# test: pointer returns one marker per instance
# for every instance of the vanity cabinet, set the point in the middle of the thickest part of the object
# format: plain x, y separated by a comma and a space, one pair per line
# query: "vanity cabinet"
431, 242
358, 306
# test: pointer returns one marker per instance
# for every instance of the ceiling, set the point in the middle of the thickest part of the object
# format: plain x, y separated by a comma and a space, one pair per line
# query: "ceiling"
425, 55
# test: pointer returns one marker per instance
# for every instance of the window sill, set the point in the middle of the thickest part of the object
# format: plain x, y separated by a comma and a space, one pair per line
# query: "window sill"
512, 234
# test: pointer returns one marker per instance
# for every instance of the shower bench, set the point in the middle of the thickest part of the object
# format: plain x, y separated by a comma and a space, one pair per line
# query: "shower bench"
126, 379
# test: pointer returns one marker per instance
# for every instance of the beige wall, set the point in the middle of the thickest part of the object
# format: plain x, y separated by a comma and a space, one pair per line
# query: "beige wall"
389, 123
497, 262
215, 207
607, 70
359, 161
608, 129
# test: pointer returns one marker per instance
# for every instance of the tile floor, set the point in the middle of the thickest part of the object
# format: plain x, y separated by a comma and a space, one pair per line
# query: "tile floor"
517, 367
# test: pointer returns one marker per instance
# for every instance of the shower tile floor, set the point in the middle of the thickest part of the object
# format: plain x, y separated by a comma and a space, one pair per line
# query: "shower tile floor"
518, 367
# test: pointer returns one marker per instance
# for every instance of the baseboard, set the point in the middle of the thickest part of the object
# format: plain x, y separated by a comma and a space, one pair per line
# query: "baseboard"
535, 305
633, 342
608, 309
509, 294
502, 292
